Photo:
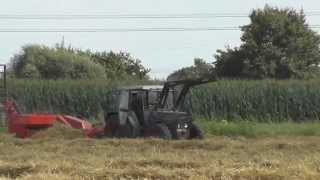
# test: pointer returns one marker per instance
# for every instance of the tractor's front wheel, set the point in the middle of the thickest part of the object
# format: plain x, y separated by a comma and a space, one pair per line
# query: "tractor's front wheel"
195, 132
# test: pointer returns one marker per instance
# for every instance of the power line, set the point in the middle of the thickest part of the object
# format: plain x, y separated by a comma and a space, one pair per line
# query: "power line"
75, 30
130, 16
118, 30
142, 29
123, 16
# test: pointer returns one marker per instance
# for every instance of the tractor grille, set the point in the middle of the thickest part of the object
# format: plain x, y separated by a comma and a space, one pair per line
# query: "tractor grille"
170, 117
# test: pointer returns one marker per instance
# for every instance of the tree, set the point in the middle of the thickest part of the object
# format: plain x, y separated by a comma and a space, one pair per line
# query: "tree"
54, 63
37, 61
121, 65
200, 69
278, 43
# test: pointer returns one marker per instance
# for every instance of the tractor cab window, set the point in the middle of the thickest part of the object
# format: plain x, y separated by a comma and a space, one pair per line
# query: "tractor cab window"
170, 101
136, 99
136, 103
123, 100
153, 98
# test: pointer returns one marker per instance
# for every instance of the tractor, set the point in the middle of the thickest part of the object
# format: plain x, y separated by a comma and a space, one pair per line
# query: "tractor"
154, 111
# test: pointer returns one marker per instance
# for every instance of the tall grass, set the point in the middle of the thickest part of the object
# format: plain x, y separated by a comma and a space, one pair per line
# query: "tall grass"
81, 98
261, 101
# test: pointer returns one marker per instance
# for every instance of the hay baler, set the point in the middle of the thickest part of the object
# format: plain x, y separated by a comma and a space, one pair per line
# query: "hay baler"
25, 125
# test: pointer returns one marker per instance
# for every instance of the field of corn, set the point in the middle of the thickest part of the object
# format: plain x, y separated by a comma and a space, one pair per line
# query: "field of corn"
62, 153
261, 101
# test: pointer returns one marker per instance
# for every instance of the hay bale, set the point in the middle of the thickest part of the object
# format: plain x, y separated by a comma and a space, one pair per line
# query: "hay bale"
59, 131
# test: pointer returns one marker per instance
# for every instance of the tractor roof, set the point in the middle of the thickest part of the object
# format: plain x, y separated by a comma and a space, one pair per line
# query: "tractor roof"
144, 87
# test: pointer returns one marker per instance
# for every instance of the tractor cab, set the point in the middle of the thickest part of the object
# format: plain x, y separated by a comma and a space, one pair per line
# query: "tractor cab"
144, 99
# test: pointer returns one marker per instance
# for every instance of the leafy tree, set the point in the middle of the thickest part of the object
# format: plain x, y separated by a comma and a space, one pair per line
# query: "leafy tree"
53, 63
121, 65
278, 43
200, 69
37, 61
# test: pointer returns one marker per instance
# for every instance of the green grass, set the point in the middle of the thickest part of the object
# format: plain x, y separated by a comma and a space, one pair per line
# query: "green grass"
253, 129
3, 129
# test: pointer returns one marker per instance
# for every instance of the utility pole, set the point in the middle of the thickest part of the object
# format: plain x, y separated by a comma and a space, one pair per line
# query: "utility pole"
4, 93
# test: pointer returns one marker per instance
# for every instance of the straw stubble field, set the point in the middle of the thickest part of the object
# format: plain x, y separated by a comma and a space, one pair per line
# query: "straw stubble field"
64, 154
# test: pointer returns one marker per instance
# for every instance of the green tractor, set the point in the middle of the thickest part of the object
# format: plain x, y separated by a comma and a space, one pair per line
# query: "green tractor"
154, 111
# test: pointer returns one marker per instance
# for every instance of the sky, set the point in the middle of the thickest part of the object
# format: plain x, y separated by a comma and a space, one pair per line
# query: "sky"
163, 52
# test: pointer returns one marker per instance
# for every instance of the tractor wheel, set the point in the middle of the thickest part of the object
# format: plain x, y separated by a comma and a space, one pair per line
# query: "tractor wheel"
158, 131
111, 125
130, 130
195, 132
124, 131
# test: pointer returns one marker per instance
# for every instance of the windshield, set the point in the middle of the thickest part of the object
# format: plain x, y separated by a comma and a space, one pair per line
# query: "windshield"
154, 97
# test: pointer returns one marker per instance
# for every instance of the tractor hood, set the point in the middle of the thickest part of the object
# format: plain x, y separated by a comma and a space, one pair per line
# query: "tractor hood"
169, 116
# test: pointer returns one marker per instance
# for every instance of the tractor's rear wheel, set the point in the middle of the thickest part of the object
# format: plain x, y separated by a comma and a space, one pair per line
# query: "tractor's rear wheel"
111, 125
129, 130
195, 132
124, 131
158, 131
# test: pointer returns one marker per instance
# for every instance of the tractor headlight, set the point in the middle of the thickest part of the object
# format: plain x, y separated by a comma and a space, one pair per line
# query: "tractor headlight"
182, 126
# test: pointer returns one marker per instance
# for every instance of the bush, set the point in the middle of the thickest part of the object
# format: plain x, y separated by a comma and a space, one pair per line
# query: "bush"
54, 63
42, 62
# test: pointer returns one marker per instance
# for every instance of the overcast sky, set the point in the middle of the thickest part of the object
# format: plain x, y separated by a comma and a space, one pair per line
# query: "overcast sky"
163, 52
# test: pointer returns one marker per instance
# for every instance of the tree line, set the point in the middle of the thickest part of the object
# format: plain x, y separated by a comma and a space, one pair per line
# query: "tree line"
277, 43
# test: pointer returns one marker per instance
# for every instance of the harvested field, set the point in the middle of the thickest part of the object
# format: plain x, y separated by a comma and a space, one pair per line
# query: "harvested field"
225, 158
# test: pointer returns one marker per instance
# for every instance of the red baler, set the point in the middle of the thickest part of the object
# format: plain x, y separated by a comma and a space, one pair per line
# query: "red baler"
25, 125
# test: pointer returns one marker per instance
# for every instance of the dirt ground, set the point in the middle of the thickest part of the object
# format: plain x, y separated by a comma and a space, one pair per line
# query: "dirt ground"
75, 157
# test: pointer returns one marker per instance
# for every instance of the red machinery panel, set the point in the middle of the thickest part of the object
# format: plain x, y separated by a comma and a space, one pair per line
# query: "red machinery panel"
25, 125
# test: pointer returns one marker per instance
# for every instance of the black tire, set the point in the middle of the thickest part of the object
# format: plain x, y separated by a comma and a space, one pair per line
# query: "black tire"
196, 132
111, 124
129, 130
158, 131
124, 131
